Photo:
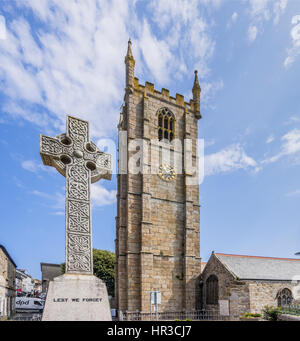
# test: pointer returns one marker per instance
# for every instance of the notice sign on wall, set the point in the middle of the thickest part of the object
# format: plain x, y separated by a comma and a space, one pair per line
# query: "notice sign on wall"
224, 307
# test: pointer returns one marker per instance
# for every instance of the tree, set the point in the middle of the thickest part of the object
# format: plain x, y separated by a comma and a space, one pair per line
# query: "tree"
104, 268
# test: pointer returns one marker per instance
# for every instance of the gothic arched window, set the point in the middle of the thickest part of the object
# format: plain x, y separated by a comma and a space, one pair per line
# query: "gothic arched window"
212, 290
284, 297
166, 124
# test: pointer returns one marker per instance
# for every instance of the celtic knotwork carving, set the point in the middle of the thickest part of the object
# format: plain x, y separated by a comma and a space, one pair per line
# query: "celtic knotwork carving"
103, 161
78, 127
79, 173
79, 243
67, 150
78, 190
78, 141
60, 164
89, 156
78, 208
79, 263
50, 145
79, 224
79, 216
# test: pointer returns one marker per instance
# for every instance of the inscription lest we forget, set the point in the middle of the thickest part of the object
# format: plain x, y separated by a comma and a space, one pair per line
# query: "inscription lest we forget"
65, 300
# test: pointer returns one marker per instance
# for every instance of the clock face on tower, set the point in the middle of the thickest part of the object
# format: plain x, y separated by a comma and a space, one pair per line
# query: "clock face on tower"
167, 172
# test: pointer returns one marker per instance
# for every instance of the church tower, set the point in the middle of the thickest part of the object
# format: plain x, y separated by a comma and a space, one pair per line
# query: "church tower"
158, 211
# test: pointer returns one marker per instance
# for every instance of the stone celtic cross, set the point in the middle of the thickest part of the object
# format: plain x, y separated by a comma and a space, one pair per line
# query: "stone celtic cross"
82, 163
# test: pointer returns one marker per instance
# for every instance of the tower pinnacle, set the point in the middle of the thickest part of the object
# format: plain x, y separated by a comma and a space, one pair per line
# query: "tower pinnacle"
196, 81
129, 50
129, 62
196, 96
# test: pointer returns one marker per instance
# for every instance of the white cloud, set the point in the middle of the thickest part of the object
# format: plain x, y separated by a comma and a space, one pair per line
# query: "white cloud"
100, 196
294, 51
279, 8
73, 63
229, 159
209, 90
42, 194
180, 23
157, 54
58, 199
165, 12
31, 166
76, 66
234, 17
252, 33
293, 119
2, 28
291, 142
59, 213
293, 193
264, 10
212, 3
209, 143
290, 146
270, 139
260, 8
36, 166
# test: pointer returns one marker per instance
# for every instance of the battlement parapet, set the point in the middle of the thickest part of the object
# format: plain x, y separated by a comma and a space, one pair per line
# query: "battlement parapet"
164, 94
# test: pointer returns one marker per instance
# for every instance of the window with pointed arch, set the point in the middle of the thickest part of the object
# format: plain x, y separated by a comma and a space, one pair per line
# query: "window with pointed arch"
284, 297
166, 124
212, 290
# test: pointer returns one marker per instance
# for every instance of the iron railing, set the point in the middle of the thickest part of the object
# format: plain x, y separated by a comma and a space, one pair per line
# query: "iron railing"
290, 309
197, 315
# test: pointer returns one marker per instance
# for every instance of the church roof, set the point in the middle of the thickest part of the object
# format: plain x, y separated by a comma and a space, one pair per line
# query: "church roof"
260, 268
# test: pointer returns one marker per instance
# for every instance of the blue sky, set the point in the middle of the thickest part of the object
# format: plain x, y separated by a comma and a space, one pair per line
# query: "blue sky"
67, 57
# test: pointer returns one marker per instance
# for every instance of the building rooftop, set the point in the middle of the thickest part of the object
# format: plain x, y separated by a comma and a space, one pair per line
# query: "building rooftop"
261, 268
50, 264
7, 254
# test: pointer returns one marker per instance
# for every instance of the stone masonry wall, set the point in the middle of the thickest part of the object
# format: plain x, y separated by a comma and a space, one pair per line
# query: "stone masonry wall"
264, 293
239, 299
7, 284
157, 238
225, 280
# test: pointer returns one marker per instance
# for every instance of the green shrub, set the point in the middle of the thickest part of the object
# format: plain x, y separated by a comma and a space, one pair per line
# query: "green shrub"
271, 313
251, 315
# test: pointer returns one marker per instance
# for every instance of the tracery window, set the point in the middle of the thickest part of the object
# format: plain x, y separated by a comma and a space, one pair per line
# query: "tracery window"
212, 290
166, 124
284, 297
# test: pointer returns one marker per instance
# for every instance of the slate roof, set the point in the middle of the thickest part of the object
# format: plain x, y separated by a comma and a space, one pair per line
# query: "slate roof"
7, 255
261, 268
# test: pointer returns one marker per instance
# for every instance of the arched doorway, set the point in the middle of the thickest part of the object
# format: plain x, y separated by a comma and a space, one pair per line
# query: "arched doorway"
212, 290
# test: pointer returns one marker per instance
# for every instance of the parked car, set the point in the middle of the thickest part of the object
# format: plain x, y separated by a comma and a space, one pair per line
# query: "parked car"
43, 296
29, 304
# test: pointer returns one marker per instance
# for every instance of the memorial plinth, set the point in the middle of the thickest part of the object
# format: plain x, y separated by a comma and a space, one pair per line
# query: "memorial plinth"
77, 298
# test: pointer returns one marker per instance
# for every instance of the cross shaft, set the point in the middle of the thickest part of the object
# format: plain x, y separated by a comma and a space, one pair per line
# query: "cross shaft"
82, 163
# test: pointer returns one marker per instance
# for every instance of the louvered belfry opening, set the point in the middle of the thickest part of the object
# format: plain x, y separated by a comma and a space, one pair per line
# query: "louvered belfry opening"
166, 125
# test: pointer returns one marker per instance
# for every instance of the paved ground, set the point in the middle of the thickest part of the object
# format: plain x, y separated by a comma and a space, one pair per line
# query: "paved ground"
27, 316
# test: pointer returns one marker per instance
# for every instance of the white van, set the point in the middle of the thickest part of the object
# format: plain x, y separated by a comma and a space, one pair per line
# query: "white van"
29, 304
